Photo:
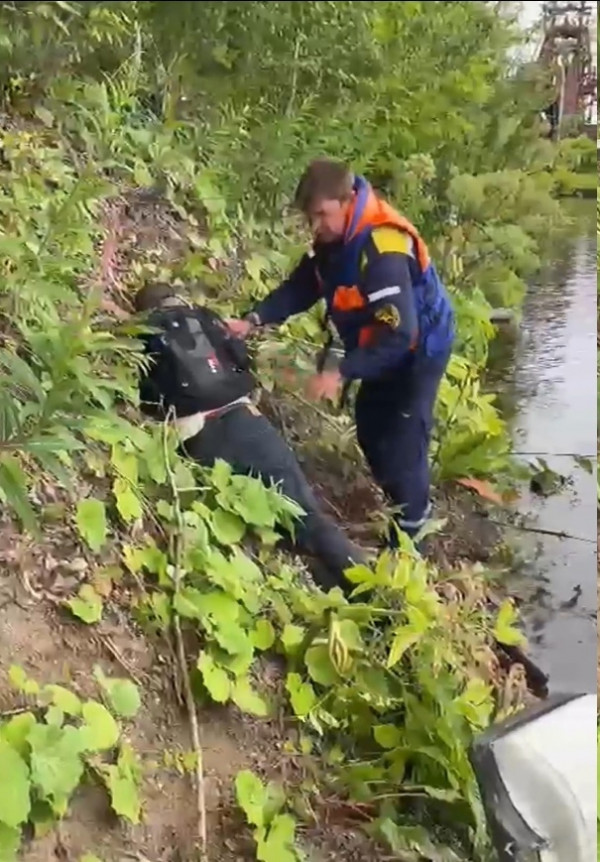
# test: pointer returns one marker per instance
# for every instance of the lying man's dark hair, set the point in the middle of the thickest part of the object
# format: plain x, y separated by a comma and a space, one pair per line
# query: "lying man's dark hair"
152, 295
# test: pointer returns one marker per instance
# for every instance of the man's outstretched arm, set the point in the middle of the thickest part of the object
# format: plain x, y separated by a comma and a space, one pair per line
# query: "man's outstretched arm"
299, 292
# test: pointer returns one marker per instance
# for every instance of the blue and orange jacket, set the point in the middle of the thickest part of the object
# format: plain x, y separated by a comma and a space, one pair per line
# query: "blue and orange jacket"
381, 290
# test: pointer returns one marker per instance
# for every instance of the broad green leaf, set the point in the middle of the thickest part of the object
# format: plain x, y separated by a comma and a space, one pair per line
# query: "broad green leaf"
251, 796
277, 844
87, 606
55, 716
122, 694
215, 678
292, 637
219, 608
129, 504
56, 764
15, 803
16, 730
221, 474
232, 638
227, 527
301, 694
387, 735
263, 636
188, 602
91, 522
64, 699
124, 795
319, 665
247, 699
504, 629
10, 839
100, 731
123, 780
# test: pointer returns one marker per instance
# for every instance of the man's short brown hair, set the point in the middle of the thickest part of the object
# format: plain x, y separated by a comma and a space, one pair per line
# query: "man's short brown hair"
323, 179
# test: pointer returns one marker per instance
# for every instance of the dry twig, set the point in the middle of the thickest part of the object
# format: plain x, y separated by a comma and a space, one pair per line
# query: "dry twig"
187, 686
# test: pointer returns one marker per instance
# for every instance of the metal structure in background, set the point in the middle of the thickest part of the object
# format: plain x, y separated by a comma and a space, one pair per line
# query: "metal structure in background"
568, 51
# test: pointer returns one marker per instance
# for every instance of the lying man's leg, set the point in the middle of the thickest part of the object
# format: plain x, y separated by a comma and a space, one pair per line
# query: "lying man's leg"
247, 440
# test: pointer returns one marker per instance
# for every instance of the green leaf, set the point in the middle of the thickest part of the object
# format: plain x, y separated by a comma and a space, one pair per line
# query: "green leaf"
15, 803
292, 637
124, 698
122, 782
404, 638
232, 638
123, 695
387, 736
277, 845
320, 666
62, 698
247, 700
251, 796
10, 839
91, 522
55, 716
13, 483
19, 679
219, 607
263, 636
16, 732
124, 795
56, 764
100, 731
221, 474
504, 630
302, 695
87, 606
227, 527
215, 678
129, 504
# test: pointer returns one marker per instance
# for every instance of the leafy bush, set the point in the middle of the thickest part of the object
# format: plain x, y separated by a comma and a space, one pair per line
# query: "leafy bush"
43, 760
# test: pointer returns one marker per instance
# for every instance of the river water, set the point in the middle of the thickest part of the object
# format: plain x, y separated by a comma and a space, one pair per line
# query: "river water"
549, 395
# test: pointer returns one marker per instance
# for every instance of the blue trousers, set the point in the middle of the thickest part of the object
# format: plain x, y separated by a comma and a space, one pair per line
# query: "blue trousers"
394, 418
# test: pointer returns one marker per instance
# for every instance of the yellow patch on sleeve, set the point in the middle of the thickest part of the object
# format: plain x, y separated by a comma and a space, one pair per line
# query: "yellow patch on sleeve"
389, 315
390, 239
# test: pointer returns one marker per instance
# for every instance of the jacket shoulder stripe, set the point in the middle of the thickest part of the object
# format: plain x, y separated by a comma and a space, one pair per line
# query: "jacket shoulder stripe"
391, 239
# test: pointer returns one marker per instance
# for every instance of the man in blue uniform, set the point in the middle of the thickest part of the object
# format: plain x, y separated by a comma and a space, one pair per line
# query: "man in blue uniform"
383, 294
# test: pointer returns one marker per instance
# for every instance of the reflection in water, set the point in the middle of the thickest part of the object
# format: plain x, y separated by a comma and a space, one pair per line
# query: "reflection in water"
553, 394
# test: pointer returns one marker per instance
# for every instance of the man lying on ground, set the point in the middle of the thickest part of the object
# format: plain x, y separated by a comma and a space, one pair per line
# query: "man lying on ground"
202, 374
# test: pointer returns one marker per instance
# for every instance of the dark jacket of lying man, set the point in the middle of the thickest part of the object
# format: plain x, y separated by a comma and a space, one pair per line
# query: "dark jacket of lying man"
202, 374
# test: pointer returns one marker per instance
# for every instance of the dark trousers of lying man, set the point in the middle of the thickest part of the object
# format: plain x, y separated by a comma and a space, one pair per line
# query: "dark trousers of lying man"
201, 373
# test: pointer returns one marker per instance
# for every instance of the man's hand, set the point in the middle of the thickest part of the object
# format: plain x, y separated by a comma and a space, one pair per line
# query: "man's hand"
239, 328
324, 385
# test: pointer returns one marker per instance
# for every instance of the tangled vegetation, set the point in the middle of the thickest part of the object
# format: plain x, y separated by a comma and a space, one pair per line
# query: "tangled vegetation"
209, 109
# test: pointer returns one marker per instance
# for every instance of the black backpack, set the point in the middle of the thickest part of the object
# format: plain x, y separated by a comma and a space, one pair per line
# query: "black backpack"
201, 365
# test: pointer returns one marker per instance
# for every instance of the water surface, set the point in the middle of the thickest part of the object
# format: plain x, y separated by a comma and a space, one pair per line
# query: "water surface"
551, 383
